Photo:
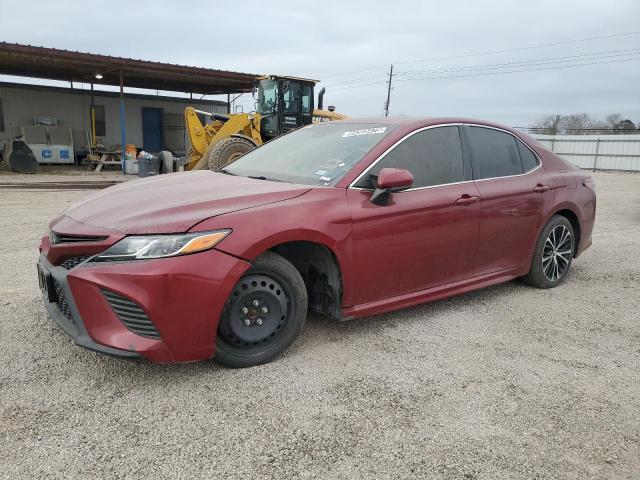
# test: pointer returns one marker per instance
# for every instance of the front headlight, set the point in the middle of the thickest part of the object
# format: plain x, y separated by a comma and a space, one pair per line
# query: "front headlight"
159, 246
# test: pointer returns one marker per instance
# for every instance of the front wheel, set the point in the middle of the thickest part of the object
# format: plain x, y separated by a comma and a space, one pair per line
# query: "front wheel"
263, 315
553, 255
226, 151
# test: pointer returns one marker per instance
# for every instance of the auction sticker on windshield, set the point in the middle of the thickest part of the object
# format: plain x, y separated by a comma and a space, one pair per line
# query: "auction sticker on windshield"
363, 131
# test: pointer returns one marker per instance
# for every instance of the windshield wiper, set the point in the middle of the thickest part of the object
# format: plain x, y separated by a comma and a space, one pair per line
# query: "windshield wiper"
227, 172
262, 177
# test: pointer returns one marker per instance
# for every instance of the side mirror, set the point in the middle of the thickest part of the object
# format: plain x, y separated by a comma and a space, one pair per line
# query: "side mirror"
390, 180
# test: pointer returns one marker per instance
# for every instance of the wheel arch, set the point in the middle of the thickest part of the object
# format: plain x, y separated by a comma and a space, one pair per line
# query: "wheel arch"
320, 269
567, 211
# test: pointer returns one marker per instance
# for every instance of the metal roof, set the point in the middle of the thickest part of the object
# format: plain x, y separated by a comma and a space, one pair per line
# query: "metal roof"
55, 64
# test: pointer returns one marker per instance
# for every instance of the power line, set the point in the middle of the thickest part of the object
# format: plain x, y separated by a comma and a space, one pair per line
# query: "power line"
355, 80
550, 60
479, 74
491, 52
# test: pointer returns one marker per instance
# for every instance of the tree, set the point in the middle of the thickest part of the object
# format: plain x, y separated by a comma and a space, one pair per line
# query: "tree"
577, 123
625, 125
613, 120
549, 125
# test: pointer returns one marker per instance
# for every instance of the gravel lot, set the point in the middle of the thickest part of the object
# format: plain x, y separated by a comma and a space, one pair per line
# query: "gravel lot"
507, 382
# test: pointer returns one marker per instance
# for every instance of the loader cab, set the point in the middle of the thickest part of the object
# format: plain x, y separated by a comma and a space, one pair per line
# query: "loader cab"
284, 103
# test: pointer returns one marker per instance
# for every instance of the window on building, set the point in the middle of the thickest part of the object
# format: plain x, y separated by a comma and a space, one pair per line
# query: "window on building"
433, 156
101, 126
494, 153
1, 117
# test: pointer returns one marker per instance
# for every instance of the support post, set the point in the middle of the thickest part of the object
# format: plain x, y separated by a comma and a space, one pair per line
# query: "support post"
386, 105
123, 139
228, 103
595, 159
93, 118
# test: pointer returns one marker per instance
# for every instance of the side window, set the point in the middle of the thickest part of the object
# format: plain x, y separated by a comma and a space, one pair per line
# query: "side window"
494, 153
306, 99
528, 159
291, 97
433, 156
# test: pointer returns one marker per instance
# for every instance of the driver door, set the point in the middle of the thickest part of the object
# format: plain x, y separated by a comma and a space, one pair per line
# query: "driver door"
291, 105
424, 237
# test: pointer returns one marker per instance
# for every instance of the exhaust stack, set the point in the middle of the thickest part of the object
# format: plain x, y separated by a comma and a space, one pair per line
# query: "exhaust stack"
321, 98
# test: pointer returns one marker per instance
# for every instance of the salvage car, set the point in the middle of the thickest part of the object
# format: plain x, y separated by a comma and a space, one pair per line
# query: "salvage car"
345, 219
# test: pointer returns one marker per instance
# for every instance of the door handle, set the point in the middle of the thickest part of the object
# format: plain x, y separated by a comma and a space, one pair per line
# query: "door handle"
467, 199
541, 188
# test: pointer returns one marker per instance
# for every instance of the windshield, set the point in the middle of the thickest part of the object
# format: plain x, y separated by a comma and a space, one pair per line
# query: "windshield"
267, 96
312, 155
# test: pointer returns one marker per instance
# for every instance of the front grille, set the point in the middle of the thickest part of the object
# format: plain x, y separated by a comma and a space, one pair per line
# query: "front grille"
61, 300
131, 315
57, 238
72, 262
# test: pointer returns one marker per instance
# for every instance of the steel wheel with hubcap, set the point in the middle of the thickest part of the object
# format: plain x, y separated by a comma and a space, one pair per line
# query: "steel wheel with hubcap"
263, 314
553, 255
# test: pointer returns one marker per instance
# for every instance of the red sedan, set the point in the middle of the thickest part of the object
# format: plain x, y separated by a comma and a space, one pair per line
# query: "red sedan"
345, 219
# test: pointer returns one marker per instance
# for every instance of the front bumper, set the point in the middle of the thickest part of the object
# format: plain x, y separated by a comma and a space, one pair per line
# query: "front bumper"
182, 296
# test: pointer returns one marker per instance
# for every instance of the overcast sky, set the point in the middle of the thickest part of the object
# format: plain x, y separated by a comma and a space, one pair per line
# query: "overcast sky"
339, 42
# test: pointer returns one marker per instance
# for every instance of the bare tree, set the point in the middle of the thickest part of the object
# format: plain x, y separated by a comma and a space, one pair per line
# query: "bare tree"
549, 125
612, 120
583, 123
577, 123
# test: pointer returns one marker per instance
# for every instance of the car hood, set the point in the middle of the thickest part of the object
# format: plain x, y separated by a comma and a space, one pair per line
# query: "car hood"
175, 202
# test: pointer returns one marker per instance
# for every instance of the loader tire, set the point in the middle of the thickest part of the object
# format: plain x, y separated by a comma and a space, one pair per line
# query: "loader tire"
228, 150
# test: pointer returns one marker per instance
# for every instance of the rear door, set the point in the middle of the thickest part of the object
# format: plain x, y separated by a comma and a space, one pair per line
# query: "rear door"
515, 192
426, 236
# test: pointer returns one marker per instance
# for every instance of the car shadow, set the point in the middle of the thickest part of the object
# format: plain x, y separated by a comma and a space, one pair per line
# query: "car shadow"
318, 331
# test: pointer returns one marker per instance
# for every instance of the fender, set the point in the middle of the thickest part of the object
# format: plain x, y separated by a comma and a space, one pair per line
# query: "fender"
556, 208
338, 247
239, 135
261, 228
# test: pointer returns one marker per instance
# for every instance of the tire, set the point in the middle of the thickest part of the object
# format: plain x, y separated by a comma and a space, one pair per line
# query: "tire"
228, 150
165, 159
251, 333
549, 269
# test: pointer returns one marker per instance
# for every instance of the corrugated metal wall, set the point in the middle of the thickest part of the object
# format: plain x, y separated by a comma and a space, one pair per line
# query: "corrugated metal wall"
22, 104
599, 152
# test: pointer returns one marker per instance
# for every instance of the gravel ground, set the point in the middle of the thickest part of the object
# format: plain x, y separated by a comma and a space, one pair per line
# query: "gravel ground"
506, 382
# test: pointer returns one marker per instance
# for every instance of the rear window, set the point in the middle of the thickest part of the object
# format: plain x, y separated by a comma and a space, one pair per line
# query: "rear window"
494, 153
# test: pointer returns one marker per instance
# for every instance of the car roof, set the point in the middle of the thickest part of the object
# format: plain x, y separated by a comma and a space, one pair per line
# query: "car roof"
407, 120
409, 123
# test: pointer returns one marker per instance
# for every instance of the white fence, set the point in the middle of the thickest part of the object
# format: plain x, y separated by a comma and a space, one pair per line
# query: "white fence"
596, 152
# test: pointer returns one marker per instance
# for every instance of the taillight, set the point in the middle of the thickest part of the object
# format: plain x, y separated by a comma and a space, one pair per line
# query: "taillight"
589, 182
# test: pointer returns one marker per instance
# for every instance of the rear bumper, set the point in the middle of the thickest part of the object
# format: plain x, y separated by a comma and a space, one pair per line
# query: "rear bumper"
182, 296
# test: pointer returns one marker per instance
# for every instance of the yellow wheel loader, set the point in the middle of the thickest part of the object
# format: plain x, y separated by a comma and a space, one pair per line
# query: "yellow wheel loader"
283, 104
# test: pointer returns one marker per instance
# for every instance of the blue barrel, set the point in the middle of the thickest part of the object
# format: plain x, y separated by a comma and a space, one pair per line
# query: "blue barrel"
147, 166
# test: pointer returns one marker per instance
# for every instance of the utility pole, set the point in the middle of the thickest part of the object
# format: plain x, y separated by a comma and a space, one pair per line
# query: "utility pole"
386, 104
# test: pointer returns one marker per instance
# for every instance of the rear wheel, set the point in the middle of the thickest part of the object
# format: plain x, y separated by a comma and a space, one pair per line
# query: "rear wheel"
228, 150
263, 315
553, 255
